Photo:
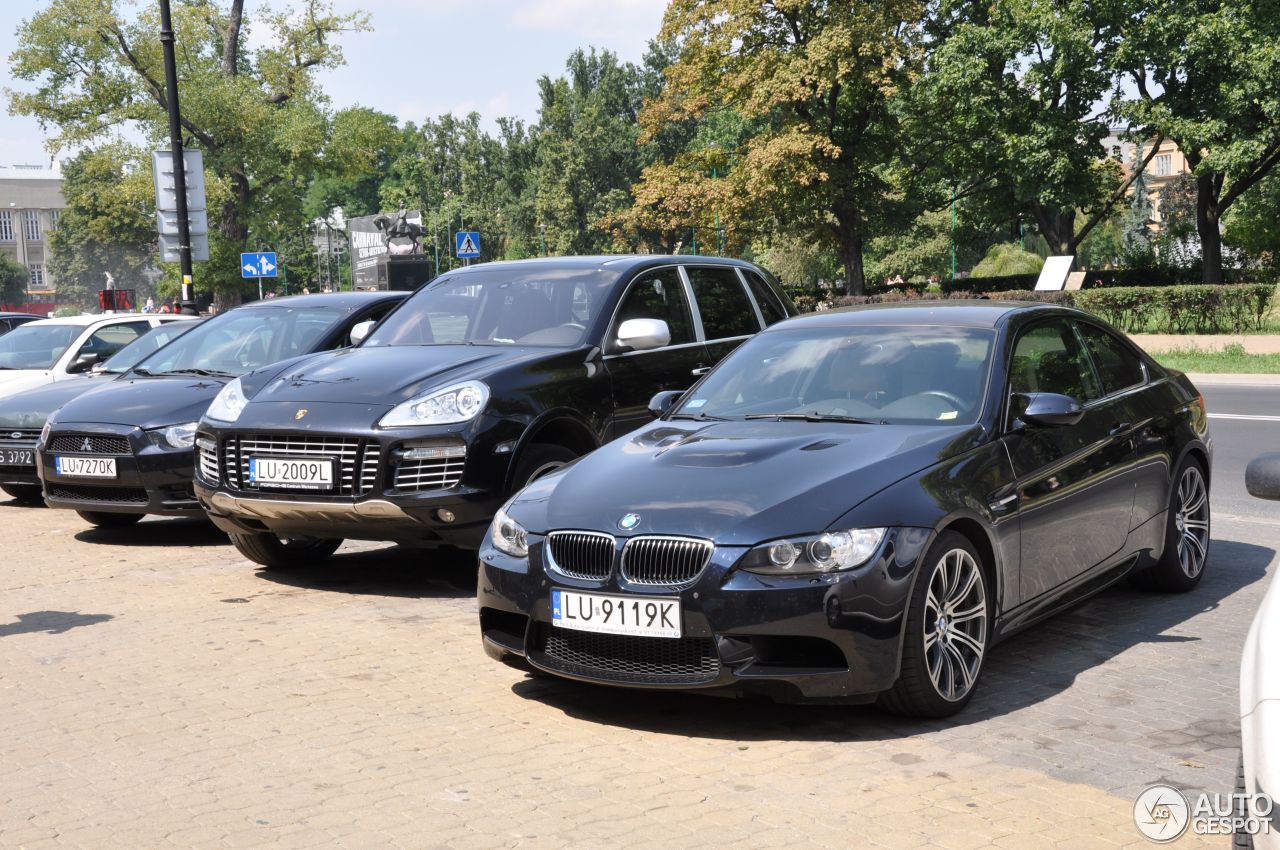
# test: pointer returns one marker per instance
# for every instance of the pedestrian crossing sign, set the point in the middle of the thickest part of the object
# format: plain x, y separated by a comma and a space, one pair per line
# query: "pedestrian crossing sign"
467, 244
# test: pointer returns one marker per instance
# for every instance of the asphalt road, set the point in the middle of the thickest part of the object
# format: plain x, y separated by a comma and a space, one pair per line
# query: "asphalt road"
1236, 441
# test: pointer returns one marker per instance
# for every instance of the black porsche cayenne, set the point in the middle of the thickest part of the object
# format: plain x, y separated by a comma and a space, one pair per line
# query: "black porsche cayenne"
485, 379
857, 505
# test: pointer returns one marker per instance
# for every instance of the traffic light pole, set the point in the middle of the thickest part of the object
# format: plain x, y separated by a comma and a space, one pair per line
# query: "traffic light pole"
179, 161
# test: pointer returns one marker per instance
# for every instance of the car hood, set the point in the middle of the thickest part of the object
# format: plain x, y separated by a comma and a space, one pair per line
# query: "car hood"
16, 380
143, 402
383, 374
737, 483
30, 408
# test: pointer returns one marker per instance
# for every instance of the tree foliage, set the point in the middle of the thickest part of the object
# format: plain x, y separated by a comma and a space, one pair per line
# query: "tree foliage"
13, 281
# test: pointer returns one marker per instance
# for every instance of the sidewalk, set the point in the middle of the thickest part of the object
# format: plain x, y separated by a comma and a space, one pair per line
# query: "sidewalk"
1253, 344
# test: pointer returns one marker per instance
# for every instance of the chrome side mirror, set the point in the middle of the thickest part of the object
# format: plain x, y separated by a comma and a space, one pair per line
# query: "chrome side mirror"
360, 331
643, 334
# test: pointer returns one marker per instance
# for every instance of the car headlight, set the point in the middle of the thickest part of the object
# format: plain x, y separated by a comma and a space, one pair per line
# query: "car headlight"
841, 549
228, 403
509, 536
175, 436
44, 432
458, 403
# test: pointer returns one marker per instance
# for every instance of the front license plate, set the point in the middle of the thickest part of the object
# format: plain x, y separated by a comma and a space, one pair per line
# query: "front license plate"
290, 473
85, 467
640, 616
17, 457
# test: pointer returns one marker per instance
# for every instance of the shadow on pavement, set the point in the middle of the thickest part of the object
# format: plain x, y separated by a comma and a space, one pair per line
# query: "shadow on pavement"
50, 622
162, 531
403, 571
1041, 662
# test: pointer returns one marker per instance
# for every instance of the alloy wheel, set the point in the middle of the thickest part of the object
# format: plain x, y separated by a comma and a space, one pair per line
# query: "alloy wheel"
1192, 521
955, 624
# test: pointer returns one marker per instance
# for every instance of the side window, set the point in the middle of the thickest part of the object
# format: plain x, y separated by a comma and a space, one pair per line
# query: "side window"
107, 341
658, 295
1117, 366
1048, 359
770, 306
726, 310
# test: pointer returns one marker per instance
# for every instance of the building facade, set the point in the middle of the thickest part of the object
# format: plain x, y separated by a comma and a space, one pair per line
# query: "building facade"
30, 203
1167, 165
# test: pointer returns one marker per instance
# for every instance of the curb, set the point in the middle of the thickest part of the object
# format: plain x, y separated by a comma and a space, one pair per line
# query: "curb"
1224, 379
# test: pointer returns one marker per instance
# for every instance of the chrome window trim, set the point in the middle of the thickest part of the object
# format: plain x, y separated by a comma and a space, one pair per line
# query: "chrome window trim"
611, 329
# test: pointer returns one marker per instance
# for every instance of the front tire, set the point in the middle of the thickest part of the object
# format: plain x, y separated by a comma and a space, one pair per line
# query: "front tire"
1186, 534
948, 628
538, 460
27, 494
275, 552
102, 519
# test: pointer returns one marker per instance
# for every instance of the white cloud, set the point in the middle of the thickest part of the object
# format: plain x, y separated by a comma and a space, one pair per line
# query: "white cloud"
591, 19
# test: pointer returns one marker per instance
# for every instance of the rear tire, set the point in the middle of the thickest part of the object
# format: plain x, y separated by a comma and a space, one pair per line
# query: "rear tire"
27, 494
948, 631
103, 519
274, 552
1186, 534
538, 460
1241, 840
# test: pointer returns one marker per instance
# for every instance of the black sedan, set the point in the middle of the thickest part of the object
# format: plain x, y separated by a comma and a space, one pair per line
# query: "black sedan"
857, 505
126, 449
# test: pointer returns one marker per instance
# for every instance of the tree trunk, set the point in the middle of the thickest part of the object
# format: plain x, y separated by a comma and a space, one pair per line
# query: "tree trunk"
1058, 227
848, 232
1207, 218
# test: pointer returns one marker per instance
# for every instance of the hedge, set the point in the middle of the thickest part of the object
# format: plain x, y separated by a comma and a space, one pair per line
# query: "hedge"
1104, 278
1182, 309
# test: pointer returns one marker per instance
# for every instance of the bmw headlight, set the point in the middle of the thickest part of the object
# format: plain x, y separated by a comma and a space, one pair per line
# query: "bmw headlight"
228, 403
448, 406
509, 536
830, 551
175, 436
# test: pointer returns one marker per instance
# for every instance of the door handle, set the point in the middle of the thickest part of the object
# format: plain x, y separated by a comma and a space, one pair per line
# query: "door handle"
1119, 428
700, 371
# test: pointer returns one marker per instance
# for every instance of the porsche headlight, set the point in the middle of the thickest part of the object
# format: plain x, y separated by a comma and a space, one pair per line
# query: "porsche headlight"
228, 403
509, 536
175, 436
448, 406
841, 549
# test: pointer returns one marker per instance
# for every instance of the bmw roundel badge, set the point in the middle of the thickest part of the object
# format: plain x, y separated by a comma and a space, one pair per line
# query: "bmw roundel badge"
629, 521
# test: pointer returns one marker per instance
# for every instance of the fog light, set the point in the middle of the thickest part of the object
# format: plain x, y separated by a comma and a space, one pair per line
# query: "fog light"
445, 515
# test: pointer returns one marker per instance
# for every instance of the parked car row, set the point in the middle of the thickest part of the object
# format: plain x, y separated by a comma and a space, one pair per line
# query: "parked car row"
670, 481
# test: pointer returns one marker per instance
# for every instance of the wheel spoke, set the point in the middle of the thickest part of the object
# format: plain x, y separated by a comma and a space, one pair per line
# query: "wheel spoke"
971, 579
1197, 543
968, 640
959, 665
972, 613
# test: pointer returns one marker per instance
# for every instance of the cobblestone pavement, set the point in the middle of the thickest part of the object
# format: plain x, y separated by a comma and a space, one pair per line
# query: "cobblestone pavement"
157, 691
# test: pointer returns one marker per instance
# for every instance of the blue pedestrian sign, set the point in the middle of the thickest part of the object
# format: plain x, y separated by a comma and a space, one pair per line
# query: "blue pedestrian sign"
261, 264
467, 244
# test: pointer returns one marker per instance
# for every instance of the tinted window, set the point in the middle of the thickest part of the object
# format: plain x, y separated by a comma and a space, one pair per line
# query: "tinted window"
107, 341
917, 375
770, 306
146, 345
1048, 359
242, 340
658, 295
1117, 366
539, 304
722, 302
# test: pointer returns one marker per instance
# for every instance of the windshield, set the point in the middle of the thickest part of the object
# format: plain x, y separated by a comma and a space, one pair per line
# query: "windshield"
243, 340
144, 346
520, 306
881, 374
36, 345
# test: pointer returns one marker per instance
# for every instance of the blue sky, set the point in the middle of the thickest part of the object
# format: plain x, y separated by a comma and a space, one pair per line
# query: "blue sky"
426, 57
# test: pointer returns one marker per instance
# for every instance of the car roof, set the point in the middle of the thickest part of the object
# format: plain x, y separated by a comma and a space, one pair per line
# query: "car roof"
12, 315
612, 262
975, 313
348, 300
86, 319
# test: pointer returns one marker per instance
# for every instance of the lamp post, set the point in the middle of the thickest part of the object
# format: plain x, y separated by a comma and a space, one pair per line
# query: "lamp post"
953, 234
179, 161
543, 229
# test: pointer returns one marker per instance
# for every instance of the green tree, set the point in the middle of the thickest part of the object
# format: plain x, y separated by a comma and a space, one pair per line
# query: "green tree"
816, 82
1136, 248
109, 225
14, 278
255, 112
1205, 75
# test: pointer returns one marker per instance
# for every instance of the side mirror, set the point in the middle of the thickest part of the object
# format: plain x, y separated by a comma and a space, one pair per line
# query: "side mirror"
1051, 410
643, 334
1262, 476
360, 331
83, 362
664, 401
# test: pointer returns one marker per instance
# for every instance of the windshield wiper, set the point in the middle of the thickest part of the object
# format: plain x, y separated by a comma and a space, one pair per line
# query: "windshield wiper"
699, 417
814, 416
204, 373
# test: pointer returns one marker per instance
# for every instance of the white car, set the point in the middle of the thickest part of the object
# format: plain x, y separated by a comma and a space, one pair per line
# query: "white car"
56, 349
1260, 681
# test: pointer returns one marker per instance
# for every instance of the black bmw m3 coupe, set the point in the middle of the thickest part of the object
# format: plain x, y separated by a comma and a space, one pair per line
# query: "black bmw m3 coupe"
856, 505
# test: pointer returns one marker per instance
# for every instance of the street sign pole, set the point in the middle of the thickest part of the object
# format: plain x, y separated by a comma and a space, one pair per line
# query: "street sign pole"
179, 171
